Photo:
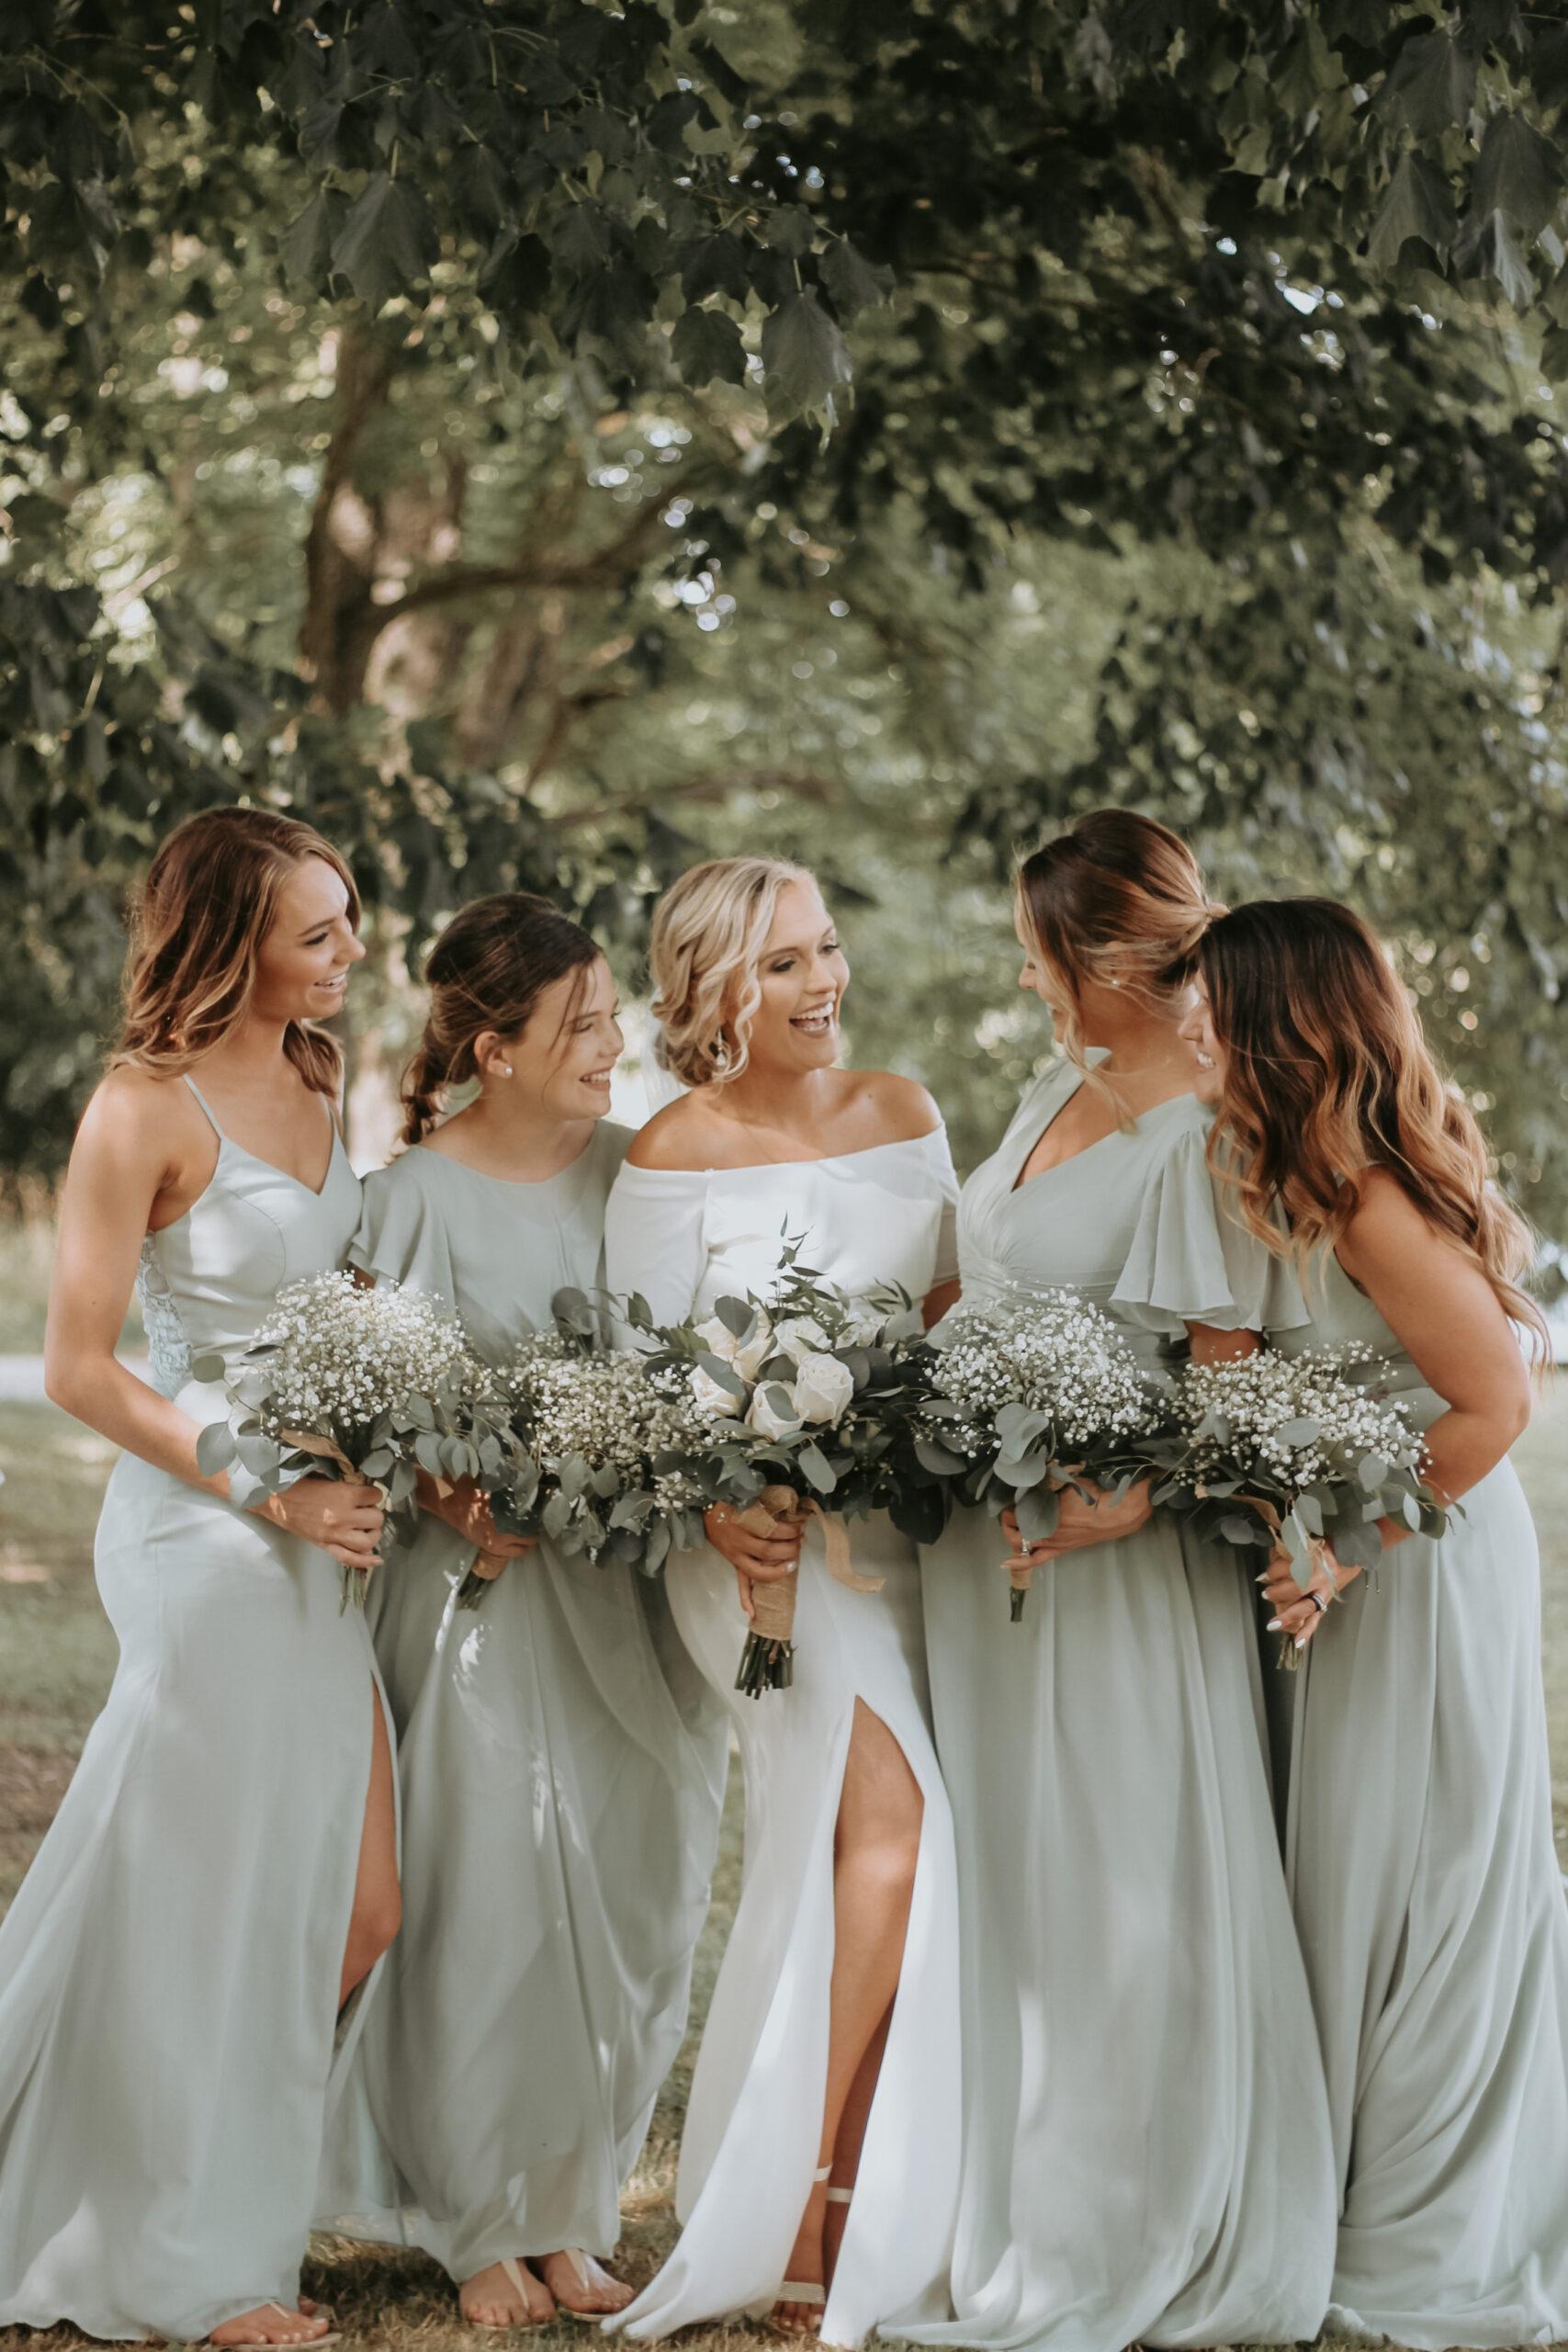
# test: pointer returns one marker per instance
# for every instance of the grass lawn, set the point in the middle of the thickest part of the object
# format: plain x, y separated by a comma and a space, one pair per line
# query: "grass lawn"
56, 1658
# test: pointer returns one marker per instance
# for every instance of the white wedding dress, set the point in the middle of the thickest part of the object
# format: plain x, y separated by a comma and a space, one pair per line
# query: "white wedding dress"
755, 2117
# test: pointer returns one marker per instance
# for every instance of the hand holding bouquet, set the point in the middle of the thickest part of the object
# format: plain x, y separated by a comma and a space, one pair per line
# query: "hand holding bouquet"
345, 1381
1032, 1395
805, 1397
1296, 1455
579, 1442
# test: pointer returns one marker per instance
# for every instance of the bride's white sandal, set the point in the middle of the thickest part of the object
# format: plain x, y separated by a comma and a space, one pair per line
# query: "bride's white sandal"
810, 2293
577, 2262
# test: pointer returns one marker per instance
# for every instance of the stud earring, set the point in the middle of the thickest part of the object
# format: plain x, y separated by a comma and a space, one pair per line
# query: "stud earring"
505, 1067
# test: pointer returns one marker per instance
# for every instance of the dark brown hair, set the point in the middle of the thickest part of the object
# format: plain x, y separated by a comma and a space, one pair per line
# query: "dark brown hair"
1328, 1074
488, 970
210, 898
1116, 889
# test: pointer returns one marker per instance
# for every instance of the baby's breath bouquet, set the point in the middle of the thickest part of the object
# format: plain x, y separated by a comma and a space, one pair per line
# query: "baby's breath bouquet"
1029, 1394
807, 1399
1297, 1453
347, 1381
579, 1442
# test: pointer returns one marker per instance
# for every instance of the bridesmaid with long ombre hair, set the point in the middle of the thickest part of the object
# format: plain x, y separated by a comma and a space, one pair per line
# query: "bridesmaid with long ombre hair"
221, 1876
560, 1815
1420, 1844
1145, 2139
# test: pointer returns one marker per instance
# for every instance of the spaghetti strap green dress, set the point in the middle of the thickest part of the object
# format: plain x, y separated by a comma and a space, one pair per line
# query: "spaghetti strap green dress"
1430, 1903
169, 1970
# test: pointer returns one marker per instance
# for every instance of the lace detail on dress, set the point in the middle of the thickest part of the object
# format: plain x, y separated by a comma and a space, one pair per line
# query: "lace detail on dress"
168, 1349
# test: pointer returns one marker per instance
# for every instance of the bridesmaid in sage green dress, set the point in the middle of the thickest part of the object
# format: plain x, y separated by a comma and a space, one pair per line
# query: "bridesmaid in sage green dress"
1145, 2146
1418, 1833
221, 1873
560, 1812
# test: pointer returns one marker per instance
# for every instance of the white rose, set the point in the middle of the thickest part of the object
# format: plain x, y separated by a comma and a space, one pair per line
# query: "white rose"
714, 1402
747, 1356
823, 1388
762, 1417
800, 1336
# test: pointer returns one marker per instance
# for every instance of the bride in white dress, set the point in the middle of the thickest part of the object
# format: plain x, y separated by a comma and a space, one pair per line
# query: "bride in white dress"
819, 2168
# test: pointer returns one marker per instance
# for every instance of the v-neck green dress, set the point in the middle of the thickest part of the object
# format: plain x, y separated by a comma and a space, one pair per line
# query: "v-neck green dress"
1430, 1903
1147, 2152
561, 1780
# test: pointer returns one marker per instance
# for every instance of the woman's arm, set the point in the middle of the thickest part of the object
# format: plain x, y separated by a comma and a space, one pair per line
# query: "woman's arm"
1447, 1318
130, 1156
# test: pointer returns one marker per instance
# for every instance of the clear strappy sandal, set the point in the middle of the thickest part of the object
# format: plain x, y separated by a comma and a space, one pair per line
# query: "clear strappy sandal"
811, 2293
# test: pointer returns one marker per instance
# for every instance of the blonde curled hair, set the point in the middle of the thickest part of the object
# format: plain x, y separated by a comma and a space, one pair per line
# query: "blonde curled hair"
1327, 1074
209, 900
1118, 899
709, 931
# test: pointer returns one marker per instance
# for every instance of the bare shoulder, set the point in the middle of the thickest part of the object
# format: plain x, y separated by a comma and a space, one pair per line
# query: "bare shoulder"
1385, 1223
901, 1109
687, 1135
133, 1111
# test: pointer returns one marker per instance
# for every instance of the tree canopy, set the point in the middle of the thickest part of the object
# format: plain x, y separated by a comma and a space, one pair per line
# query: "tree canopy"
466, 422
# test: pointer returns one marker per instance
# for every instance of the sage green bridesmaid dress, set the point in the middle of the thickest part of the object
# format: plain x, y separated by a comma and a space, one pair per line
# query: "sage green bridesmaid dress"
561, 1778
1430, 1908
169, 1970
1146, 2152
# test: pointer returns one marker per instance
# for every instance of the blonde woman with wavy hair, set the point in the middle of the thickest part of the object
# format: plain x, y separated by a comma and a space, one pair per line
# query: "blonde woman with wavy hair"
1425, 1883
221, 1876
1146, 2137
820, 2161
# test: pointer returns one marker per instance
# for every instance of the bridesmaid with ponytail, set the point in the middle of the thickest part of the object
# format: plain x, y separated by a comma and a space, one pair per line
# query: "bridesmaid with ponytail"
1419, 1852
559, 1813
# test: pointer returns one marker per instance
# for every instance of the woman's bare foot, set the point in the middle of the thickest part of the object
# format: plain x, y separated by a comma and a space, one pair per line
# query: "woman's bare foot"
580, 2284
270, 2323
806, 2266
506, 2294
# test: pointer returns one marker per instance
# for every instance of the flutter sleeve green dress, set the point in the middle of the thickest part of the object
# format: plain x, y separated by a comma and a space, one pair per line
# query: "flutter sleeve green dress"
561, 1813
1430, 1904
1145, 2134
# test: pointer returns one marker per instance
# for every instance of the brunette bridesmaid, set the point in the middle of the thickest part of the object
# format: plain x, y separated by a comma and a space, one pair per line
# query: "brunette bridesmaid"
1419, 1834
560, 1812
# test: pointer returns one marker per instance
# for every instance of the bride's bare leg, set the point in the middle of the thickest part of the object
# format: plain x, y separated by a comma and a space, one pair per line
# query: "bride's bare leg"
875, 1852
851, 2136
378, 1899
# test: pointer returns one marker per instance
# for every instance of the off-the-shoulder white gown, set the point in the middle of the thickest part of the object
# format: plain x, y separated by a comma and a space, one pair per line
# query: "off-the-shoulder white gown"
755, 2118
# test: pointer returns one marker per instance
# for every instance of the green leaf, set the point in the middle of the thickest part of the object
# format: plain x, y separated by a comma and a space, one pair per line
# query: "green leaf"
1487, 249
307, 243
804, 358
1431, 86
215, 1449
1519, 173
583, 242
707, 344
1302, 1432
1417, 205
854, 283
817, 1468
387, 243
714, 265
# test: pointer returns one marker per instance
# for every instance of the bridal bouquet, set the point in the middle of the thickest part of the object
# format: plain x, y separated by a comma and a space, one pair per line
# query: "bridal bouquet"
1032, 1395
581, 1443
339, 1378
1298, 1453
806, 1398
